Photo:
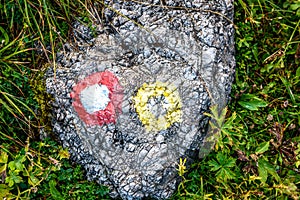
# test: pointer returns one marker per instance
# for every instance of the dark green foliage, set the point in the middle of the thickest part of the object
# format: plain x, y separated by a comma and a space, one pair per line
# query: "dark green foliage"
69, 183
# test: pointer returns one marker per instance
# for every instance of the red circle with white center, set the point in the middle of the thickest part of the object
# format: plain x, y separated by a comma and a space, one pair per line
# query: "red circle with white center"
114, 106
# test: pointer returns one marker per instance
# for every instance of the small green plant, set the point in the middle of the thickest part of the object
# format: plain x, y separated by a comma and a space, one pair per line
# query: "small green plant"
33, 173
69, 182
223, 133
23, 172
184, 192
221, 165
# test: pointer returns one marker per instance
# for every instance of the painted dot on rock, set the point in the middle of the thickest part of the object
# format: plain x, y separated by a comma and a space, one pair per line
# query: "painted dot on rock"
98, 98
158, 106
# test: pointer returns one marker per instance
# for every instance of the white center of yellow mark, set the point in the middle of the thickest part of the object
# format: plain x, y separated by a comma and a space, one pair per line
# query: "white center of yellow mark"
153, 117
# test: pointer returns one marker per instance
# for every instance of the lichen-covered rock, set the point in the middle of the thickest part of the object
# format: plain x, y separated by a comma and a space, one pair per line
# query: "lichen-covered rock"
130, 102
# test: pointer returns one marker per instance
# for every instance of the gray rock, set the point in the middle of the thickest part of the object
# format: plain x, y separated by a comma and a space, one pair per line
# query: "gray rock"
167, 65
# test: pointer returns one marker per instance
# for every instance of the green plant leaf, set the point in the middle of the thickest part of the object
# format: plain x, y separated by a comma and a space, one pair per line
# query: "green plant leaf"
251, 102
262, 173
17, 164
295, 6
219, 117
263, 147
54, 192
297, 163
32, 180
222, 165
225, 161
63, 153
6, 37
265, 168
298, 72
13, 178
214, 164
230, 162
4, 191
3, 157
3, 168
225, 174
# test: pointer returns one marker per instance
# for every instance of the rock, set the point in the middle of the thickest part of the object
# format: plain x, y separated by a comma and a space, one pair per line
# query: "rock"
130, 102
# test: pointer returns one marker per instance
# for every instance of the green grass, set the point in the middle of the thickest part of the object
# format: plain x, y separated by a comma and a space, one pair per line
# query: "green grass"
257, 154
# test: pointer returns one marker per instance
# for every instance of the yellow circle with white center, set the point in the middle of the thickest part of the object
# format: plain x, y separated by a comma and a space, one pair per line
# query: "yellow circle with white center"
157, 89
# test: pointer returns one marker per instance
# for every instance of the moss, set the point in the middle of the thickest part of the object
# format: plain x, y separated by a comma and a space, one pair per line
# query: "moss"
38, 86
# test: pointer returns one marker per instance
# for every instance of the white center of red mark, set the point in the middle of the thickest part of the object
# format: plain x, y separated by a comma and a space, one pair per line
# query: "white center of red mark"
94, 98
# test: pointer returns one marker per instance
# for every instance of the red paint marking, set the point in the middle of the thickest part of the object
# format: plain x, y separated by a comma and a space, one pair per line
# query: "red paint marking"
113, 108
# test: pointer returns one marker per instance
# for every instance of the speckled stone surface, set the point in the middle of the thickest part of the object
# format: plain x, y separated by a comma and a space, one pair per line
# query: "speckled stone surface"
185, 45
